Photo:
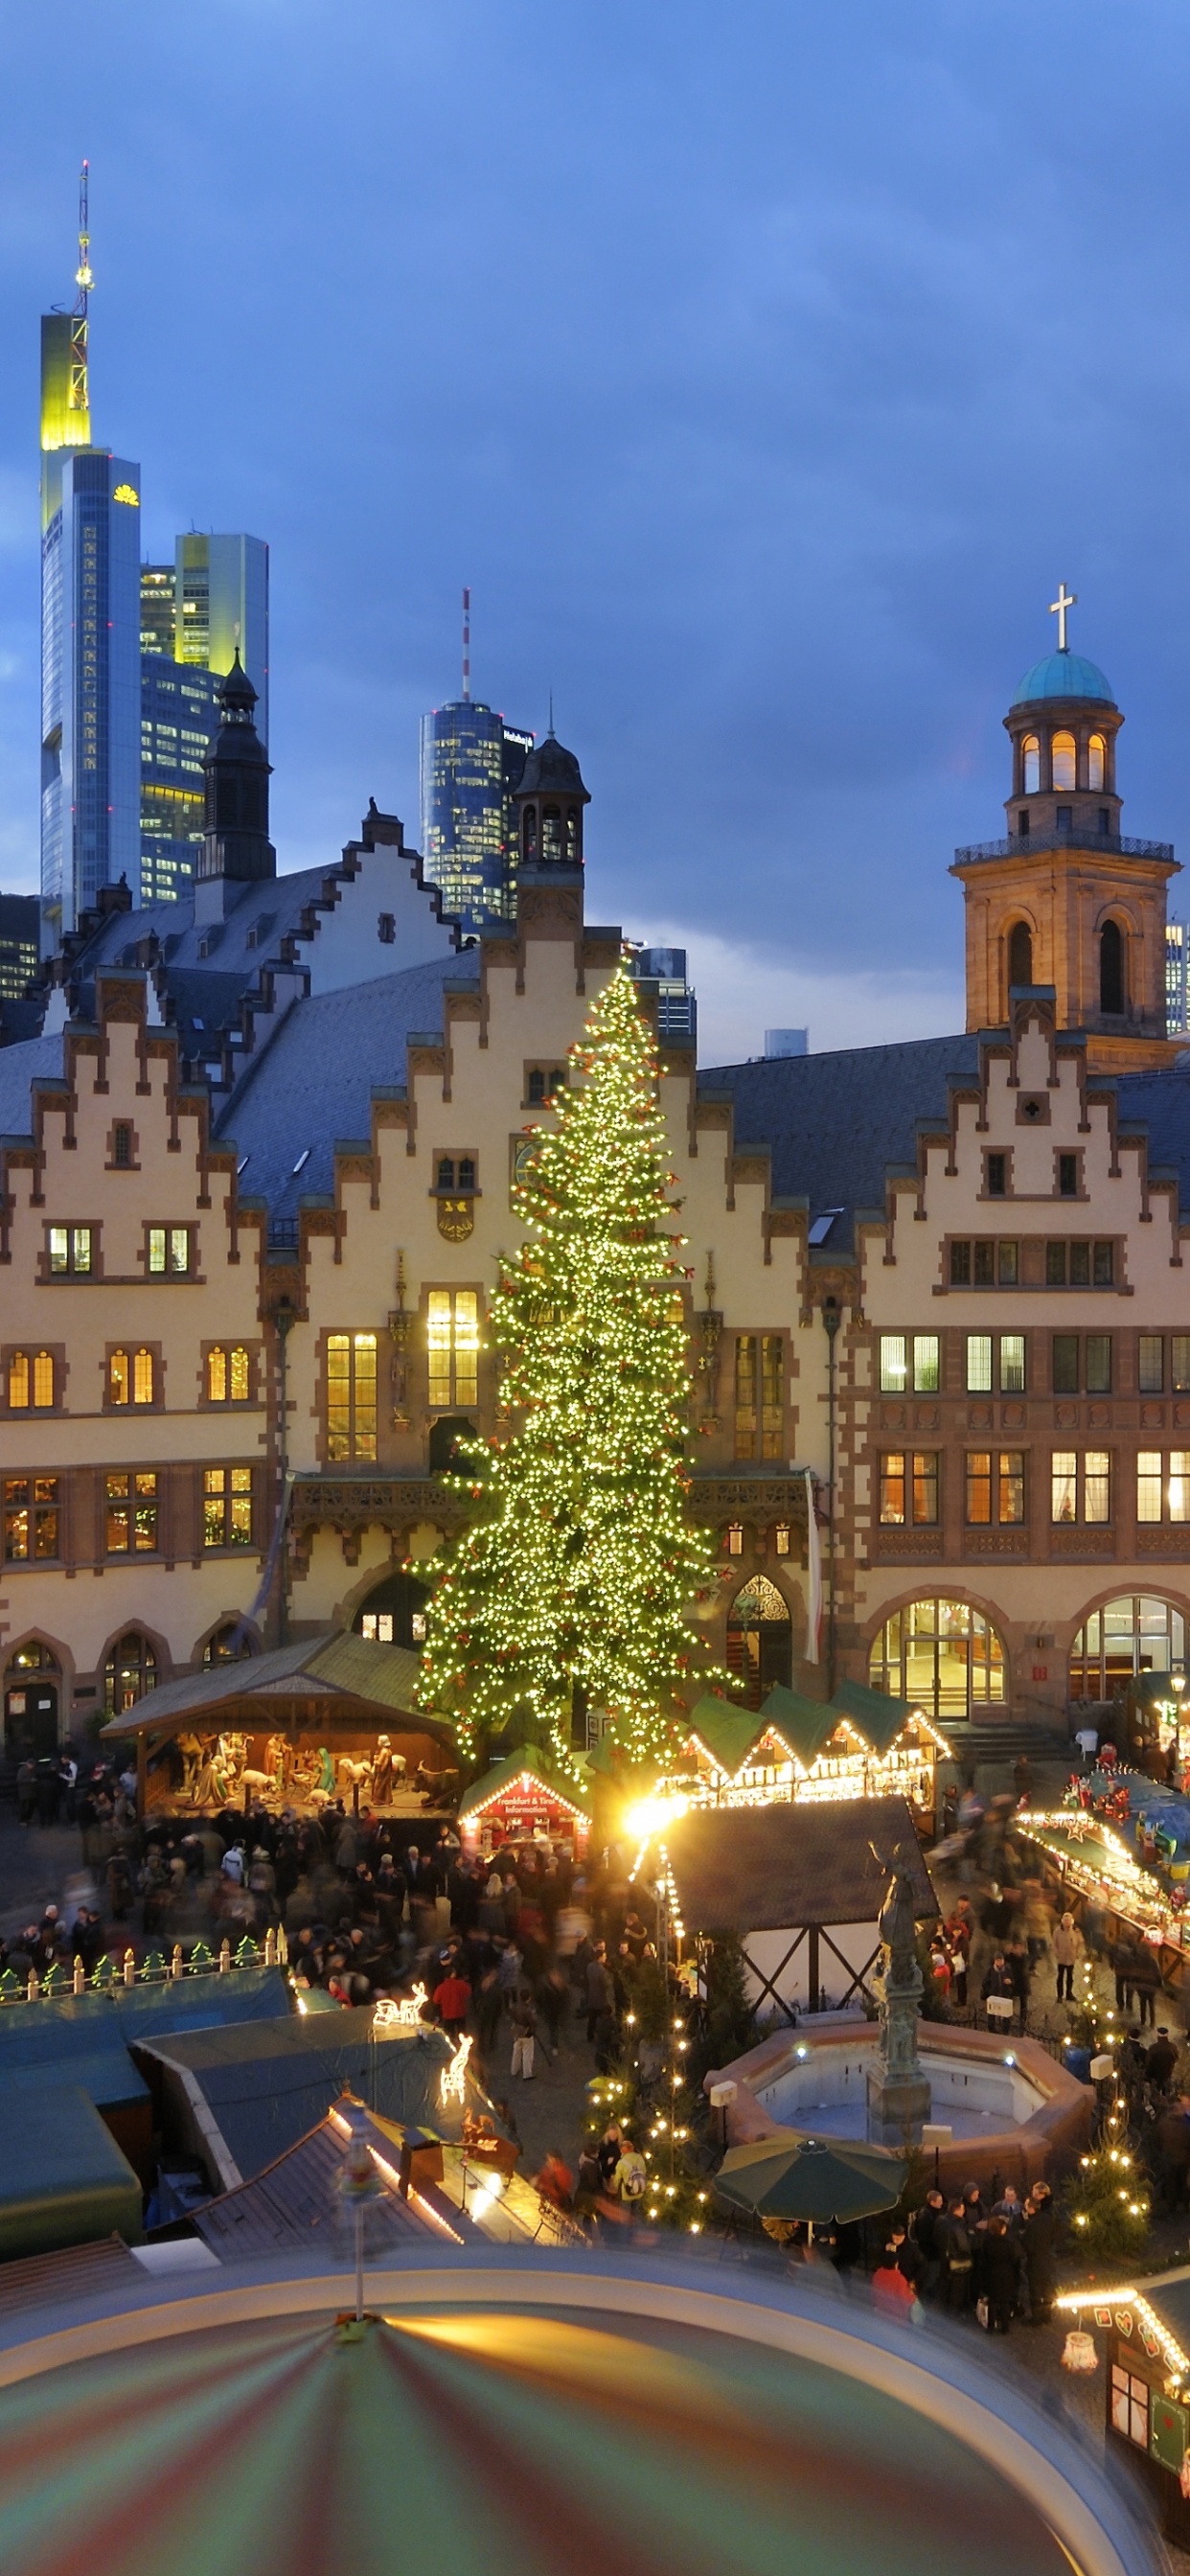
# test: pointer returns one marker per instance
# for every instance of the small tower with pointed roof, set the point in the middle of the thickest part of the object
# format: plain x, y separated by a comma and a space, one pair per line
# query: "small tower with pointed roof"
236, 849
1064, 900
549, 802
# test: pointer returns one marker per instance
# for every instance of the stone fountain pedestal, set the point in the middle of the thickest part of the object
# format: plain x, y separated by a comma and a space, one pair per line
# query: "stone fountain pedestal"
898, 2091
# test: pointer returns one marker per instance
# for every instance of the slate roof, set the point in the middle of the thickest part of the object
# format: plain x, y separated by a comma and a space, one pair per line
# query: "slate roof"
312, 1084
834, 1123
1161, 1103
30, 1060
761, 1869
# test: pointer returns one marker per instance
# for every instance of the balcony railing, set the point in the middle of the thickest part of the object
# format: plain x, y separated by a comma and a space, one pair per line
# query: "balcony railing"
1017, 846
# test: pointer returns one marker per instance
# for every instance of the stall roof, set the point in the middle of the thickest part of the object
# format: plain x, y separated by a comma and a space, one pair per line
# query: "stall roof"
260, 2086
880, 1719
758, 1869
727, 1730
806, 1724
63, 2179
503, 1776
296, 2200
340, 1664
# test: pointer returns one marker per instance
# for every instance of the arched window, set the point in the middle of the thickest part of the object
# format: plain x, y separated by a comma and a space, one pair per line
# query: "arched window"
30, 1381
1063, 757
1096, 760
1020, 953
529, 830
229, 1645
227, 1374
551, 831
394, 1613
759, 1639
1138, 1633
1112, 993
1030, 765
943, 1656
572, 832
130, 1670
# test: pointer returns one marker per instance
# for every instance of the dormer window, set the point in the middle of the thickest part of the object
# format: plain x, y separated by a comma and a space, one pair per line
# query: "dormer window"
1030, 765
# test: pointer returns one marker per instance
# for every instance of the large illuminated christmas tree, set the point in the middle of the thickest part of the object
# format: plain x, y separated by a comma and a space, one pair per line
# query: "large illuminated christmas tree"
571, 1585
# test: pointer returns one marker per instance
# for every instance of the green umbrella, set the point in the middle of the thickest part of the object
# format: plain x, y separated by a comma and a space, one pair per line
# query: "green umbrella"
790, 2175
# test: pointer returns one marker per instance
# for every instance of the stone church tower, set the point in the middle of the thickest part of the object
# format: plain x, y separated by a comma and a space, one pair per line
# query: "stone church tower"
1064, 900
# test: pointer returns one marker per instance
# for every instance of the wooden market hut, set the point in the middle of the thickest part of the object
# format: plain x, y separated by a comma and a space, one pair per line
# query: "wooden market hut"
331, 1717
521, 1798
800, 1886
1146, 2335
861, 1744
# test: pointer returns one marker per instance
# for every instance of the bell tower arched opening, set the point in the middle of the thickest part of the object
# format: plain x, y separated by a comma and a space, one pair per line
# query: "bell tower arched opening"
1020, 954
1113, 979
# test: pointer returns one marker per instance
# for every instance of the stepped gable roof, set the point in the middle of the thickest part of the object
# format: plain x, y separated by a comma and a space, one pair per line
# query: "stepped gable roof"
312, 1085
834, 1123
763, 1869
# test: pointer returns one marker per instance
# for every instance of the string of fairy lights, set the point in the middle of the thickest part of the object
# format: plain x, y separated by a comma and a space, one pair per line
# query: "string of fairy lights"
576, 1573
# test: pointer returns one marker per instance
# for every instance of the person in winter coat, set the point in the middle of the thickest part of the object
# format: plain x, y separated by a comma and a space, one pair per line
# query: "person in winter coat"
957, 2258
1039, 2237
1146, 1980
926, 2234
1067, 1946
1000, 2273
523, 2016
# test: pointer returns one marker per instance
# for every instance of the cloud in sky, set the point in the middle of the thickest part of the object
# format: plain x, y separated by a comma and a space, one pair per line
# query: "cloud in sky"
761, 371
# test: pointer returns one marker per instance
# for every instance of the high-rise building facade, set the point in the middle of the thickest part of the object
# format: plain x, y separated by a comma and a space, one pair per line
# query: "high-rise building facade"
1177, 979
463, 827
195, 614
19, 944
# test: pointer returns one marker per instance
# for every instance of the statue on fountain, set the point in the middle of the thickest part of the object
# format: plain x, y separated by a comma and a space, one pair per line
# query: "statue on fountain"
898, 2092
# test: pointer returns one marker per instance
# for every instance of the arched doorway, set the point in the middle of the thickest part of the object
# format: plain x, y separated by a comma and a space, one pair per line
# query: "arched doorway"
760, 1639
394, 1613
1138, 1632
130, 1671
943, 1656
32, 1689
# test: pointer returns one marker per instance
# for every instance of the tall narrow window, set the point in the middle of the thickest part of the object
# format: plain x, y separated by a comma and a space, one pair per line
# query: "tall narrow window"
452, 1336
217, 1377
1150, 1364
121, 1146
1098, 1363
1030, 765
130, 1380
1096, 1486
1095, 761
227, 1507
43, 1379
1111, 968
30, 1381
979, 1363
169, 1251
979, 1488
1011, 1486
18, 1381
1063, 1486
227, 1374
131, 1514
350, 1395
892, 1490
1012, 1363
1020, 954
772, 1409
925, 1363
893, 1363
1148, 1484
1063, 756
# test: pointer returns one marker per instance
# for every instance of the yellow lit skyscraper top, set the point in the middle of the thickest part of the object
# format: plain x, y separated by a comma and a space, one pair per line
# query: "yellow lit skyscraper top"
65, 393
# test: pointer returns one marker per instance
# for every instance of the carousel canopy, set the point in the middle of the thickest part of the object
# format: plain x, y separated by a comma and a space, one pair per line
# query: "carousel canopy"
487, 2433
528, 1762
340, 1674
758, 1869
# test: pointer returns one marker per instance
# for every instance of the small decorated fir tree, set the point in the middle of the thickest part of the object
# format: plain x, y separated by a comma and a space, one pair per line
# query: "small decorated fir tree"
571, 1585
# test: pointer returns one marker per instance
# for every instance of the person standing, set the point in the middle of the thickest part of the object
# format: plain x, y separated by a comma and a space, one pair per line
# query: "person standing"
1001, 2273
1039, 2237
957, 2258
523, 2017
1146, 1981
598, 1989
453, 1999
1067, 1945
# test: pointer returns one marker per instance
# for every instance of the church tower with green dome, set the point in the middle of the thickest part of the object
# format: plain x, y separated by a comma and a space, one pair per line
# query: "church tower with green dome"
1064, 900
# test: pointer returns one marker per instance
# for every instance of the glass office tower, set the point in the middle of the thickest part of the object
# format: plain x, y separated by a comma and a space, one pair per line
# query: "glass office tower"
90, 673
471, 764
194, 612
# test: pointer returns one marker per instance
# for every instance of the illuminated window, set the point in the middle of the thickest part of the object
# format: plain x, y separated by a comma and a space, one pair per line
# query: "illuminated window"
350, 1395
1132, 1634
131, 1514
925, 1363
1030, 765
452, 1339
894, 1363
734, 1535
1063, 757
30, 1381
909, 1488
1163, 1485
70, 1250
227, 1507
781, 1538
1084, 1480
130, 1381
130, 1670
759, 1391
1096, 754
227, 1374
30, 1518
169, 1251
979, 1363
229, 1645
995, 1487
941, 1656
1012, 1363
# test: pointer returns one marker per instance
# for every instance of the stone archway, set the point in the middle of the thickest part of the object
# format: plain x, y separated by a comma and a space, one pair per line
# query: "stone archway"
393, 1611
760, 1639
32, 1701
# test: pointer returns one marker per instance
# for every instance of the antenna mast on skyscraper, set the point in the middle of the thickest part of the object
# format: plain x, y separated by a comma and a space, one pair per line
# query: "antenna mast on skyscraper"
466, 645
79, 399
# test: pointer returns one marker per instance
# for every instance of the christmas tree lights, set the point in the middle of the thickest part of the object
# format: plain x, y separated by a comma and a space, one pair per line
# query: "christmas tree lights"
571, 1585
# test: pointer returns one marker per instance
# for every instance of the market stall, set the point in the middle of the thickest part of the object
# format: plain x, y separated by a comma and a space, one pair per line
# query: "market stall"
1094, 1863
331, 1718
1147, 2384
861, 1744
521, 1800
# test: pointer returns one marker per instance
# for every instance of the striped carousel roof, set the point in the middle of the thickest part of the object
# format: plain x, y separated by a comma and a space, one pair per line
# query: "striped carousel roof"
532, 2427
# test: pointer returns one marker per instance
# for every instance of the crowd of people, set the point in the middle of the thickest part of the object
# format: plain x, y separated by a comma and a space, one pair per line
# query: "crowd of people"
993, 2256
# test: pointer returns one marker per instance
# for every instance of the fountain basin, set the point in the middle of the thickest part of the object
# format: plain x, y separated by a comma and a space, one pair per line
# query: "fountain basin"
1010, 2107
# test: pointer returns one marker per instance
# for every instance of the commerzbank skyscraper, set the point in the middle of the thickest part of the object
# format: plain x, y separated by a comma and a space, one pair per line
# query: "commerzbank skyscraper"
131, 655
90, 632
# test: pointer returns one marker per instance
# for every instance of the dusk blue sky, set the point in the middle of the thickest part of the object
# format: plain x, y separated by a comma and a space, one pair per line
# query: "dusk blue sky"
762, 369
